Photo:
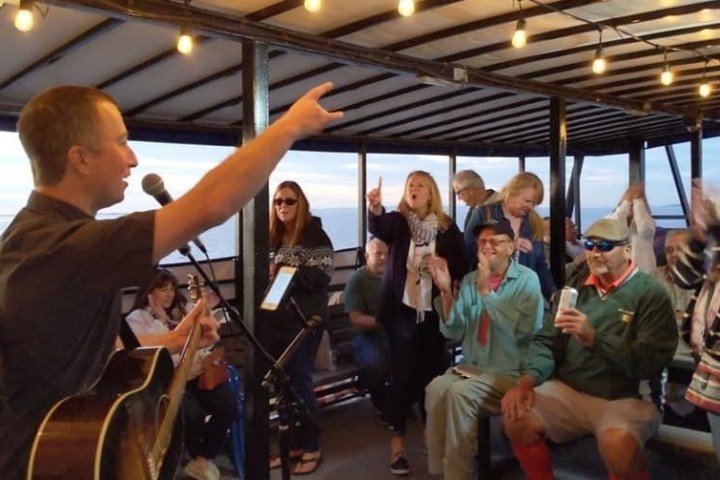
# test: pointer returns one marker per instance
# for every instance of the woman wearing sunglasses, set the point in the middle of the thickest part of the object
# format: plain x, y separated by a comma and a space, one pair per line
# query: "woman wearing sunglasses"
297, 239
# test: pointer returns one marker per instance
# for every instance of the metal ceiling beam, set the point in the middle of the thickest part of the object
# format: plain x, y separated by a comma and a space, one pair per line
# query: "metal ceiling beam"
145, 64
607, 45
64, 49
585, 28
683, 31
263, 14
216, 24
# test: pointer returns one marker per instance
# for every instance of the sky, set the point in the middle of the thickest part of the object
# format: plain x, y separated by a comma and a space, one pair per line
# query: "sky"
329, 179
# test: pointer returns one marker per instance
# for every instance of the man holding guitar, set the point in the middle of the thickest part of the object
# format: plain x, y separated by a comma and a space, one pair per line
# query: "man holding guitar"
61, 270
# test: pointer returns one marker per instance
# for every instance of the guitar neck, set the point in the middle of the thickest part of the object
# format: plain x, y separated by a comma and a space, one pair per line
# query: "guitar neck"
176, 390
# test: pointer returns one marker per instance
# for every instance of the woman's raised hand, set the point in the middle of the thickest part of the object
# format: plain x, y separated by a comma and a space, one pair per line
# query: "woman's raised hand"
374, 197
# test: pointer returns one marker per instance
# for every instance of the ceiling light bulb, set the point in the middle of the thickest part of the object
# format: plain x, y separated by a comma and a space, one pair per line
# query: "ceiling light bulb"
406, 7
667, 77
312, 5
599, 64
24, 18
705, 90
519, 38
185, 41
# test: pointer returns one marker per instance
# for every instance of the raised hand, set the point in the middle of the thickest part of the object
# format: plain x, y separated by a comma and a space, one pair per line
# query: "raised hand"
483, 274
440, 273
374, 198
634, 192
157, 311
307, 116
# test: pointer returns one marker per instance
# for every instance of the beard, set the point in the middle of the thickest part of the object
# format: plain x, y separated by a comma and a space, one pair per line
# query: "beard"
599, 269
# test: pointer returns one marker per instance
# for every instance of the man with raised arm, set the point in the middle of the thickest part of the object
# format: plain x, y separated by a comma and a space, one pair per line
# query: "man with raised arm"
61, 270
499, 307
583, 369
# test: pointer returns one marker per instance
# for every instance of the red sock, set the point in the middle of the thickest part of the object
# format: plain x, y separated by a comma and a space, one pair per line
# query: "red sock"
641, 475
534, 460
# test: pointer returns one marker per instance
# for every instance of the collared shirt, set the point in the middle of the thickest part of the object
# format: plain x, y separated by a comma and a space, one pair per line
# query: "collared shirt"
594, 280
515, 311
61, 272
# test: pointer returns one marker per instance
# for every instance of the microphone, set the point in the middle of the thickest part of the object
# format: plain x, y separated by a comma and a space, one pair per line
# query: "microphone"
154, 186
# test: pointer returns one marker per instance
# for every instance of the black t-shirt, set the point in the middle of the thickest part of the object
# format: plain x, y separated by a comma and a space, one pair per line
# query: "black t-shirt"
61, 272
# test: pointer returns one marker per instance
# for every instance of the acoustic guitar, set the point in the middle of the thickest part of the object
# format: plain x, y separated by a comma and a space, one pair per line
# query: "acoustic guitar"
126, 426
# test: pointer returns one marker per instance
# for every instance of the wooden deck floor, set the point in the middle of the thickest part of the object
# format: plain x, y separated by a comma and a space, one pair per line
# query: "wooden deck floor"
355, 447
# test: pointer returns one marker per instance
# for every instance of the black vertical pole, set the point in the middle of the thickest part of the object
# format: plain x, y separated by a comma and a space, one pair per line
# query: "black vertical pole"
558, 147
696, 152
636, 167
254, 233
452, 170
362, 191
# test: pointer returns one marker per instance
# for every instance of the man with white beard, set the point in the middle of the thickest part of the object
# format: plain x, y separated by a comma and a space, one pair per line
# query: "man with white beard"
583, 368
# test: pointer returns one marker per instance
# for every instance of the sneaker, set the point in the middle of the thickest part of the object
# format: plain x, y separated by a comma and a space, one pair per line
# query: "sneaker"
202, 470
400, 466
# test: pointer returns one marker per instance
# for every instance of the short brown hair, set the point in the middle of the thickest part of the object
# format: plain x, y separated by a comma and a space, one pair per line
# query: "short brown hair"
53, 122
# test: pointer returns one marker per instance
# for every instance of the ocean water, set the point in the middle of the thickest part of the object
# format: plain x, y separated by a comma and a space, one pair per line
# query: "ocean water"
341, 226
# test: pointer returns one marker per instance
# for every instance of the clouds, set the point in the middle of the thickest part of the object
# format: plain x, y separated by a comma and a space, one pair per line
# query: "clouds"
330, 179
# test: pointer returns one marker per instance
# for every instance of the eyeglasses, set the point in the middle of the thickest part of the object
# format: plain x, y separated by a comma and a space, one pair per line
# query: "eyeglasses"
287, 201
602, 245
461, 190
493, 242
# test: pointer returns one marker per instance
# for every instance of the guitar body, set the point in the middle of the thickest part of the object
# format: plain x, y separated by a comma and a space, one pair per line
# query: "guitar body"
108, 432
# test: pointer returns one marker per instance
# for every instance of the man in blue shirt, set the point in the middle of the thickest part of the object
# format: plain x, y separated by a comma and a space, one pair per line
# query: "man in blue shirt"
499, 307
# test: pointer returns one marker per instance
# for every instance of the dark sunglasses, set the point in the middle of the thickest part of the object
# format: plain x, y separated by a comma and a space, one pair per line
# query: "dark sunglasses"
602, 245
287, 201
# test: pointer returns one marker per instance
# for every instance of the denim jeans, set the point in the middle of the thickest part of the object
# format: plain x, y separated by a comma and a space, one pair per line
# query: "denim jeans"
305, 434
371, 352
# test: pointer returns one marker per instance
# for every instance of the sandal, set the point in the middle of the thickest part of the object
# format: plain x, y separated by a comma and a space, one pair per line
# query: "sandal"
308, 465
295, 456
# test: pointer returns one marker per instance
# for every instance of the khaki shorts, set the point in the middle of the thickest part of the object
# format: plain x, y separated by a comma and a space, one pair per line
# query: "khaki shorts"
568, 414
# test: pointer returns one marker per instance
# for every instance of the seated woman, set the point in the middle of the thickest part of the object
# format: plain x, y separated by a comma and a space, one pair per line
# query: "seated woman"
157, 310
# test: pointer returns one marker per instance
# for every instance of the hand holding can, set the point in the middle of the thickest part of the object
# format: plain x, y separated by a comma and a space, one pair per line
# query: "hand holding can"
568, 299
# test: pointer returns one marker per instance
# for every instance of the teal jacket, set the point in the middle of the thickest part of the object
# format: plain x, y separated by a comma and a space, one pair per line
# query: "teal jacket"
515, 311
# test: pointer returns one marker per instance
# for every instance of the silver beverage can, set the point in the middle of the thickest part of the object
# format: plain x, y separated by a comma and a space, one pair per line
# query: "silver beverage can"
568, 298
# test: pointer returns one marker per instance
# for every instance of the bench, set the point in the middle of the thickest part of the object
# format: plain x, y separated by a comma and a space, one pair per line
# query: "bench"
341, 382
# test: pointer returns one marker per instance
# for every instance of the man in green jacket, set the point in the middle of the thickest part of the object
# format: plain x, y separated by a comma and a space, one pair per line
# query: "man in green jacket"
583, 369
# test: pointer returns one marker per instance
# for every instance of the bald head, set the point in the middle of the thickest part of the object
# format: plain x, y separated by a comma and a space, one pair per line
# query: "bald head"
375, 256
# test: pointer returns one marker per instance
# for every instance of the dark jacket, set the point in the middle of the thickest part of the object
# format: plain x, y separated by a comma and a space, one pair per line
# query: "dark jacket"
313, 256
392, 228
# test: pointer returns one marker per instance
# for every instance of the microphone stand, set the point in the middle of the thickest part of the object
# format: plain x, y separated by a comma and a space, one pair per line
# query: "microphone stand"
288, 399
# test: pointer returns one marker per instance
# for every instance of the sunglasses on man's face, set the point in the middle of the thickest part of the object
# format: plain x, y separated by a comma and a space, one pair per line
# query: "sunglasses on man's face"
287, 201
602, 245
